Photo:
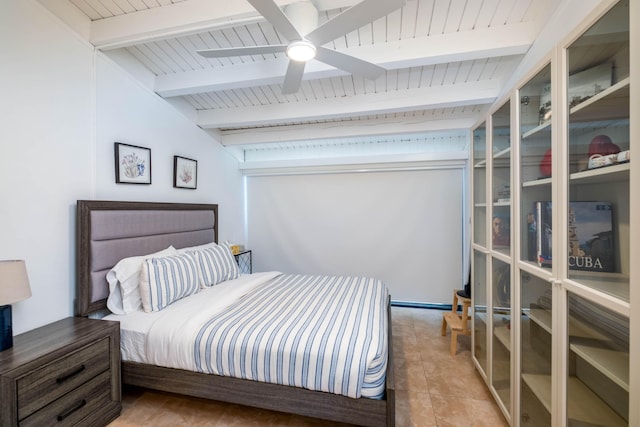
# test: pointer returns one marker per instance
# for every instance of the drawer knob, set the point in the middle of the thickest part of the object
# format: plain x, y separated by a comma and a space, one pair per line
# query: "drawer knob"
68, 375
71, 409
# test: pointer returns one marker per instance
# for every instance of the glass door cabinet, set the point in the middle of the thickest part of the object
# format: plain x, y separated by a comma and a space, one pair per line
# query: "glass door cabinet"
552, 218
500, 254
535, 248
596, 269
479, 259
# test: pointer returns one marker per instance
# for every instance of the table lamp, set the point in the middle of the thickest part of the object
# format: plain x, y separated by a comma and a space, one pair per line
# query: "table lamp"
14, 287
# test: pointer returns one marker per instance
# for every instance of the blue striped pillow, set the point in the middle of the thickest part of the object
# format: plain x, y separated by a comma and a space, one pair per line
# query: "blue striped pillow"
217, 264
166, 280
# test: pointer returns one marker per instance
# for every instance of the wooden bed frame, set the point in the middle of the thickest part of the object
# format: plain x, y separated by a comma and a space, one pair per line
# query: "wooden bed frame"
362, 411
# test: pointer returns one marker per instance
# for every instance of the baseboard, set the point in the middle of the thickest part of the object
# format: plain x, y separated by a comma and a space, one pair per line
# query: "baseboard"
426, 305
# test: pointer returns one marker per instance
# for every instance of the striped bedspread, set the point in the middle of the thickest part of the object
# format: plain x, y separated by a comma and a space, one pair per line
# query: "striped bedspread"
316, 332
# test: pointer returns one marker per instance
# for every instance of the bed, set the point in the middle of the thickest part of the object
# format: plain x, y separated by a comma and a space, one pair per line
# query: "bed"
109, 231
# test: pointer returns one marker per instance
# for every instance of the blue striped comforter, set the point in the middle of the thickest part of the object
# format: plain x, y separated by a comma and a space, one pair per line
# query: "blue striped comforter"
316, 332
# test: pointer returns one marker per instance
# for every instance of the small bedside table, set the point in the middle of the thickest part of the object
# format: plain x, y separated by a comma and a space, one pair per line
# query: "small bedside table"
64, 373
244, 261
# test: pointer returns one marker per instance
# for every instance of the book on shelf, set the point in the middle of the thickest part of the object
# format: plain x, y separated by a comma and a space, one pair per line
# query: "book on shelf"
590, 236
501, 231
541, 238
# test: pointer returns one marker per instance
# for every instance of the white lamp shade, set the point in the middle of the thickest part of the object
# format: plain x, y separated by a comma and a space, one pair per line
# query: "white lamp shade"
14, 282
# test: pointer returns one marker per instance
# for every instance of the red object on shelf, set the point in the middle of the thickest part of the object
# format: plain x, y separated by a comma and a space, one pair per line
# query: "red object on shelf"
545, 164
602, 145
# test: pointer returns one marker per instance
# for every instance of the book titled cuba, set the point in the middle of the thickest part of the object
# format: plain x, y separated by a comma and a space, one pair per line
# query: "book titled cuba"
590, 236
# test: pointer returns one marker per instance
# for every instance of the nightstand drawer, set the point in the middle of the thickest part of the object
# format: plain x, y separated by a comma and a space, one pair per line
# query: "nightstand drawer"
74, 406
44, 385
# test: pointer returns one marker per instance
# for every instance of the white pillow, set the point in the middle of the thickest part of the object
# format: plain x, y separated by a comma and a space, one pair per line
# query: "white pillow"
197, 248
166, 280
123, 278
217, 264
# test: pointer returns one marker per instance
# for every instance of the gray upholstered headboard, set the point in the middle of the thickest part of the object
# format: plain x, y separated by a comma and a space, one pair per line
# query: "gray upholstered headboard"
107, 232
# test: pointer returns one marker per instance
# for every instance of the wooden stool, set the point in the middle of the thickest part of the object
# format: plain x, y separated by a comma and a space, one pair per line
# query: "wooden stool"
458, 322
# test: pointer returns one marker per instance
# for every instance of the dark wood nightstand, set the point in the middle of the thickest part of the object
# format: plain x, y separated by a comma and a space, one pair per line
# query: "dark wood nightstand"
64, 373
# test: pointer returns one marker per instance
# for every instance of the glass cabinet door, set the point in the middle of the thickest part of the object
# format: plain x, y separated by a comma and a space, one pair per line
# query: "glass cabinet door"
501, 336
480, 185
480, 308
598, 155
598, 214
500, 229
535, 169
598, 374
479, 280
535, 188
535, 351
501, 180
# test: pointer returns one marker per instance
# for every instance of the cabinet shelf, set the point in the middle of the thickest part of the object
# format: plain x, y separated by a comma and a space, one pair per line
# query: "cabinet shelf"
613, 364
614, 284
502, 153
578, 329
585, 406
541, 317
503, 334
537, 182
611, 103
613, 173
543, 128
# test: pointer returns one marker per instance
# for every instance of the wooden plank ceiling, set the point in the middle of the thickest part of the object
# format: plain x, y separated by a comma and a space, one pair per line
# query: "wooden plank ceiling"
446, 62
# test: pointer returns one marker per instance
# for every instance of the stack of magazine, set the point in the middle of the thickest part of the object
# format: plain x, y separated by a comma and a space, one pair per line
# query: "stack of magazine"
590, 236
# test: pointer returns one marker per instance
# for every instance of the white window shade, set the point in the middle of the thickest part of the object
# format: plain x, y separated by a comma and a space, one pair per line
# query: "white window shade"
404, 227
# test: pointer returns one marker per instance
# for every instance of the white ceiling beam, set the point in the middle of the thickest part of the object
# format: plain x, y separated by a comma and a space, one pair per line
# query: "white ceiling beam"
232, 77
345, 129
461, 46
471, 93
183, 18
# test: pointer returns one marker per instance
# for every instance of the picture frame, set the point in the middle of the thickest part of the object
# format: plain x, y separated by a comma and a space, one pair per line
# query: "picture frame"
133, 164
185, 173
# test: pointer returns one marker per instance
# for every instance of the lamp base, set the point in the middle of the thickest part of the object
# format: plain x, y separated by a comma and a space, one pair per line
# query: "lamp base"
6, 331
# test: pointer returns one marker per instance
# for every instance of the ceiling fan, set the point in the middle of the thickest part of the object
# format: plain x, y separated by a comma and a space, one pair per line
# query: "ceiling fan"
302, 18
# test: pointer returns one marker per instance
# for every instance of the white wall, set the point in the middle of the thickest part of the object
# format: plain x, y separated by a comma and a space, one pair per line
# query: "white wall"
129, 113
62, 109
46, 161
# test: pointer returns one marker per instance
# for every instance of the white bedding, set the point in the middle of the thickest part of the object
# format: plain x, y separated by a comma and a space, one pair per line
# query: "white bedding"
135, 327
329, 335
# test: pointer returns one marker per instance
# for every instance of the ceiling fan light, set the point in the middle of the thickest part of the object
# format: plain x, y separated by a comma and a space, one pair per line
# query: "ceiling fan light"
301, 51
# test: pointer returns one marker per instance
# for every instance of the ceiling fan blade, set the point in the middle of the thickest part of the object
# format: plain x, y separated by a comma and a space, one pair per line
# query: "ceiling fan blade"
349, 63
293, 78
276, 17
242, 51
351, 19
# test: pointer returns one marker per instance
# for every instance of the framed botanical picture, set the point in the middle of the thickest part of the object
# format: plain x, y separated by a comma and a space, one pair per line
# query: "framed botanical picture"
185, 173
133, 164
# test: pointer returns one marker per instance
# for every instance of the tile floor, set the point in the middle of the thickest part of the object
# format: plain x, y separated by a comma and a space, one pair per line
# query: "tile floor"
432, 388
